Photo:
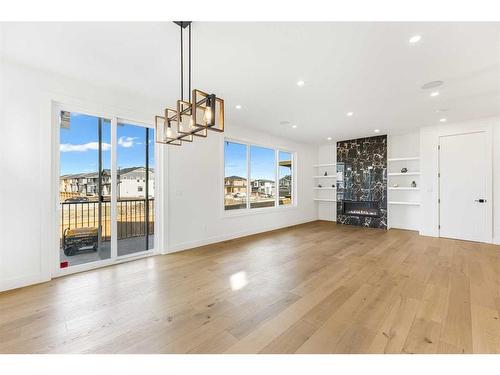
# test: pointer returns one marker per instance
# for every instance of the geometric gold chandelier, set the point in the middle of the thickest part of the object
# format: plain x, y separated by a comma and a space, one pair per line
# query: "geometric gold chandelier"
190, 118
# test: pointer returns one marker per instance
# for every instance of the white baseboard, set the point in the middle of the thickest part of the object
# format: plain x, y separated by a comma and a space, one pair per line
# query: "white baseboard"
231, 236
19, 282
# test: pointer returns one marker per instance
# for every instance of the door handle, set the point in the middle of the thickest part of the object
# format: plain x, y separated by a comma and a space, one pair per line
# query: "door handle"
481, 200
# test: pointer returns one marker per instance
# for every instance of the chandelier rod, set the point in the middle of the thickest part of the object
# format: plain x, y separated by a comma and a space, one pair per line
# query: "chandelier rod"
182, 67
189, 92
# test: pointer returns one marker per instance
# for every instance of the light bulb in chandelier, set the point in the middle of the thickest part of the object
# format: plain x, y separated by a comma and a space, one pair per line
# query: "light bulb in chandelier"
208, 116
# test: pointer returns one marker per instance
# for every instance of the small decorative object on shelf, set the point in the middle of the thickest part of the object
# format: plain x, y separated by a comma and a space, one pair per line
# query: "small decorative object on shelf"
413, 184
319, 185
395, 185
326, 174
404, 170
333, 185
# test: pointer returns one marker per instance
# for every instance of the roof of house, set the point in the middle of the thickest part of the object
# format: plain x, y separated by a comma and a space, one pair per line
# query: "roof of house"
139, 171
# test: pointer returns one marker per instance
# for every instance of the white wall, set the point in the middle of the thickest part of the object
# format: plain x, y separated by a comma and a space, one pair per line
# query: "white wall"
25, 166
429, 139
196, 192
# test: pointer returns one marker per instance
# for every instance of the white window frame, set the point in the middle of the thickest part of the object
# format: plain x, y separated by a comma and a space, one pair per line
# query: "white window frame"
67, 104
248, 210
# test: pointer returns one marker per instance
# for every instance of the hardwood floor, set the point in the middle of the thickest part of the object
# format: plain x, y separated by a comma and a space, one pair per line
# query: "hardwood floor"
313, 288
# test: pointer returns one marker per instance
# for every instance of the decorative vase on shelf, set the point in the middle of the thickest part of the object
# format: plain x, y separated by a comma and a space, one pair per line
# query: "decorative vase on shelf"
413, 184
326, 174
404, 170
319, 185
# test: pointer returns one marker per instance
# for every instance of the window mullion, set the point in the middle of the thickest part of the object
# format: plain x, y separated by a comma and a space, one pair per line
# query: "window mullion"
249, 188
276, 178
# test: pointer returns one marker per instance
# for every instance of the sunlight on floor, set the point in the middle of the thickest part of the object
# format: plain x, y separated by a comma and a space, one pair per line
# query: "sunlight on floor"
238, 280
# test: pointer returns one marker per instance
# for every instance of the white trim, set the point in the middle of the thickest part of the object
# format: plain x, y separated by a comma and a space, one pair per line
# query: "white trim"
405, 203
402, 188
404, 174
415, 158
114, 184
324, 165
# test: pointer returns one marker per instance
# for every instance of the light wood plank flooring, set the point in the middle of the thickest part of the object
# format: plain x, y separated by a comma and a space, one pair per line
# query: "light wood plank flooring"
313, 288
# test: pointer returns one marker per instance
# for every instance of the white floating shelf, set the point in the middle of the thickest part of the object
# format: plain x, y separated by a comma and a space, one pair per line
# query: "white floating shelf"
324, 176
403, 188
324, 188
404, 174
325, 165
406, 203
324, 200
404, 159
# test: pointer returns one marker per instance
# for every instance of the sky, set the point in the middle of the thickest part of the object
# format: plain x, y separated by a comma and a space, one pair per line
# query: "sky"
262, 161
79, 145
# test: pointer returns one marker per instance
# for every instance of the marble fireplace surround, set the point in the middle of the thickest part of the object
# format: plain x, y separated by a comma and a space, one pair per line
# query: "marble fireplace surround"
362, 182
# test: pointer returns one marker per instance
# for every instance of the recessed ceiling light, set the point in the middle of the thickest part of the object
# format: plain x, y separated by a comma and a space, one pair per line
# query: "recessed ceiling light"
300, 83
435, 93
237, 106
377, 130
329, 139
432, 85
294, 126
442, 120
349, 114
415, 39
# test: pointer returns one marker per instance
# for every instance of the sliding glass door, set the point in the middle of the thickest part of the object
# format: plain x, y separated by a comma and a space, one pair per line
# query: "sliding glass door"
106, 189
136, 188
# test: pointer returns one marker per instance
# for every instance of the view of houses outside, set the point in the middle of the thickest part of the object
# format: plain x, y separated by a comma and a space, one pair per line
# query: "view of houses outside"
235, 181
262, 176
85, 217
285, 178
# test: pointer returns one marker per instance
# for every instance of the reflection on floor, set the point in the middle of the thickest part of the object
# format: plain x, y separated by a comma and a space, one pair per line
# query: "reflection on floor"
125, 247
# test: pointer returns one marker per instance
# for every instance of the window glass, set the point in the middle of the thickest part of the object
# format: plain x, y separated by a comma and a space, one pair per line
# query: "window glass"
285, 178
262, 177
84, 189
235, 176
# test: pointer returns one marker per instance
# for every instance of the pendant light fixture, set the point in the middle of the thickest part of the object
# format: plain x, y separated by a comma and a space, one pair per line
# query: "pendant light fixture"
193, 116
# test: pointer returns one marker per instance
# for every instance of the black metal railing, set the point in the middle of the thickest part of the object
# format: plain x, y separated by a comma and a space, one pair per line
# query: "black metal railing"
131, 217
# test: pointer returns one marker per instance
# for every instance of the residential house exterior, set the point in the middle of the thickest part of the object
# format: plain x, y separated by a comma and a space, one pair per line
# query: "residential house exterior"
132, 182
235, 185
263, 187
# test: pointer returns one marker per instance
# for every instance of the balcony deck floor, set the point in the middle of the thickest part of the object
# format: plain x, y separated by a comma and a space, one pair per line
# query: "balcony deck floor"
125, 246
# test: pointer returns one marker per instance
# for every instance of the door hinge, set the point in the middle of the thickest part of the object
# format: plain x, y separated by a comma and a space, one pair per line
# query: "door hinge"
439, 200
439, 226
439, 175
439, 147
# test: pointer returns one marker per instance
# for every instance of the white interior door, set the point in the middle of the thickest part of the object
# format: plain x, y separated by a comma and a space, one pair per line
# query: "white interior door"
465, 187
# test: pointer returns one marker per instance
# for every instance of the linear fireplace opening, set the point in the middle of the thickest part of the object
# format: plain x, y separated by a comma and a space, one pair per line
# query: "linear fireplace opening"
363, 208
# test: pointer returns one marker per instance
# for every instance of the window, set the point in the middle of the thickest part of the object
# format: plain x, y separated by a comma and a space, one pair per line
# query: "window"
256, 176
90, 231
235, 176
262, 177
285, 178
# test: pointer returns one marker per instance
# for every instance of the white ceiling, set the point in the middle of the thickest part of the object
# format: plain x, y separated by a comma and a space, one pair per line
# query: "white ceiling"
367, 68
